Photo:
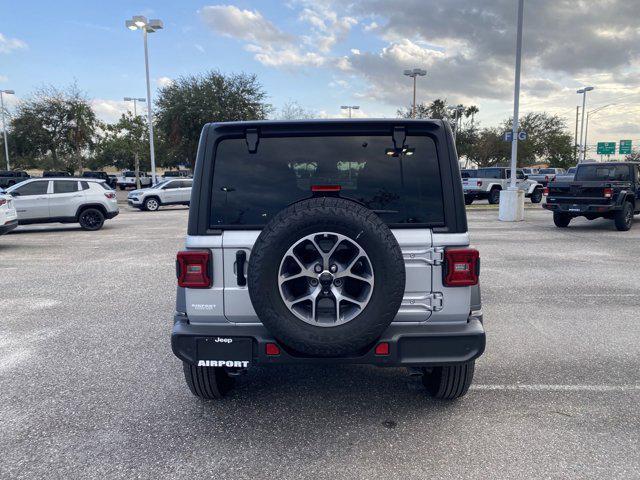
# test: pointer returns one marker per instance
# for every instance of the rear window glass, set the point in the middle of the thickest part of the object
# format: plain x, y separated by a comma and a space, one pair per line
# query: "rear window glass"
603, 172
489, 173
63, 186
250, 189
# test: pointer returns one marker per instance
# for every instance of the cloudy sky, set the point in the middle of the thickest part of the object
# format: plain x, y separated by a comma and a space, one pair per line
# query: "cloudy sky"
325, 53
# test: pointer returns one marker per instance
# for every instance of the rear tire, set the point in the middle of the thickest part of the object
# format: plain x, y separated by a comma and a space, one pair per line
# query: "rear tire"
208, 383
448, 382
91, 219
468, 200
122, 187
536, 196
494, 196
623, 219
561, 220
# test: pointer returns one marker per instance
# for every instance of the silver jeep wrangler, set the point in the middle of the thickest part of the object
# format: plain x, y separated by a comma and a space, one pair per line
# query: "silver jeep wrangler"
328, 242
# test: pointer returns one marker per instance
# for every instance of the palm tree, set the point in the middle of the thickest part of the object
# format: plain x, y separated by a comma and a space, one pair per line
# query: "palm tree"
471, 112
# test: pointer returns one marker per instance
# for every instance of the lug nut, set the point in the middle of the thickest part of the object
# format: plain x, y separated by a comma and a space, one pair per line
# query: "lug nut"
313, 282
317, 268
337, 282
333, 268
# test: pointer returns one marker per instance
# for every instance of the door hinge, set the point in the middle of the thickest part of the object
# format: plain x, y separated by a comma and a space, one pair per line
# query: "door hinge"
435, 301
435, 255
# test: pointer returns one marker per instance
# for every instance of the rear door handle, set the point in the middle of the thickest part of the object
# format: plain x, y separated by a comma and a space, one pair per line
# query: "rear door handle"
241, 258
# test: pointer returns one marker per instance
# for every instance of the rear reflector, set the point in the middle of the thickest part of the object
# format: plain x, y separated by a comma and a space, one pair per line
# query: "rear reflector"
608, 192
461, 267
382, 348
272, 349
325, 188
193, 268
545, 191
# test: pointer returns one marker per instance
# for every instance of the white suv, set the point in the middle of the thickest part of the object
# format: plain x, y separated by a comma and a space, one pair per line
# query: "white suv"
8, 215
169, 192
64, 200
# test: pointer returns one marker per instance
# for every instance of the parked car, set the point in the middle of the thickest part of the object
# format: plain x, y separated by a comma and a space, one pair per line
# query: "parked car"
567, 176
530, 171
109, 179
128, 180
169, 174
169, 192
489, 182
64, 200
546, 175
328, 242
468, 173
8, 214
9, 178
598, 190
52, 174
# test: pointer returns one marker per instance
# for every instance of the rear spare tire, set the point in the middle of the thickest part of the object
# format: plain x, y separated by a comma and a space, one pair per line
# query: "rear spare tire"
326, 277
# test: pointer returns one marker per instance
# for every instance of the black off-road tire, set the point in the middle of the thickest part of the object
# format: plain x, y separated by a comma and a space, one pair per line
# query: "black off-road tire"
448, 382
494, 196
91, 219
623, 218
536, 196
561, 220
321, 215
208, 383
122, 187
468, 200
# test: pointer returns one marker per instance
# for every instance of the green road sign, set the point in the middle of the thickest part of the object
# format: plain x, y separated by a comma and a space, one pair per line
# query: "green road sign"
625, 147
606, 148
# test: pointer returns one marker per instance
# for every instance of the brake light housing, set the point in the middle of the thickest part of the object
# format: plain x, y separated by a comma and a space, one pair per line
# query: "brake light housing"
545, 191
110, 195
461, 267
608, 192
194, 268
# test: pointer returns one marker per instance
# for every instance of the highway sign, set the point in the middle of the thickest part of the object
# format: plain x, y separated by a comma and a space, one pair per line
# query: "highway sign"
606, 148
625, 147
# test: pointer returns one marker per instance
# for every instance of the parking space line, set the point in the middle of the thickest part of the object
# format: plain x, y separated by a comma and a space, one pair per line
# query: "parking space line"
557, 388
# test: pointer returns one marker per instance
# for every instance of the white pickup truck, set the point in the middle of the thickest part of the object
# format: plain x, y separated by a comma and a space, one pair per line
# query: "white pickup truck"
128, 180
489, 182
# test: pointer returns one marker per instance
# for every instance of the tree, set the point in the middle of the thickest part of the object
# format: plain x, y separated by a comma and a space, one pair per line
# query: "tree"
186, 105
488, 148
436, 110
121, 142
292, 110
632, 157
54, 129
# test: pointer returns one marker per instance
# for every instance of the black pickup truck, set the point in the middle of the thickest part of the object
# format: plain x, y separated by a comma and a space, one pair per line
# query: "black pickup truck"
598, 190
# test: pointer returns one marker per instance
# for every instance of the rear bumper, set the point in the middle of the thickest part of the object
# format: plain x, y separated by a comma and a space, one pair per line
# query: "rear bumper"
8, 226
476, 194
580, 208
409, 345
113, 214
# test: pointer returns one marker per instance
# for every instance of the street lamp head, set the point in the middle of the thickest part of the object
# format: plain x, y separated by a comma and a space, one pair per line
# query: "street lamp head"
140, 21
356, 107
128, 99
155, 24
130, 25
409, 73
419, 71
9, 92
141, 99
585, 89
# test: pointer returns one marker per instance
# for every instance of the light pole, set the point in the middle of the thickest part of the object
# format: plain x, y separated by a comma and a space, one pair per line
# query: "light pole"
147, 26
512, 199
350, 107
416, 72
586, 126
135, 154
4, 127
583, 91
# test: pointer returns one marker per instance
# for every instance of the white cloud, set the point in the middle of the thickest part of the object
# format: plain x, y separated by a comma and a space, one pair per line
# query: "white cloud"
110, 110
230, 21
8, 45
164, 82
355, 51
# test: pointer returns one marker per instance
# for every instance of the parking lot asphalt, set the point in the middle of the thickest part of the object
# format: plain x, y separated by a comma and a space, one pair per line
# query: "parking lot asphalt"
89, 387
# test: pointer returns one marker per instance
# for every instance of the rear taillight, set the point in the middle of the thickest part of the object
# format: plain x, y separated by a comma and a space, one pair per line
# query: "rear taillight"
545, 191
2, 201
479, 184
461, 267
110, 194
193, 268
546, 178
325, 188
608, 192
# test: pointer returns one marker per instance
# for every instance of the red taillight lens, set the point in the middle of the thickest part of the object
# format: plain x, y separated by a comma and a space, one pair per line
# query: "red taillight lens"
272, 349
193, 268
479, 184
382, 349
110, 194
608, 192
325, 188
2, 201
545, 191
461, 267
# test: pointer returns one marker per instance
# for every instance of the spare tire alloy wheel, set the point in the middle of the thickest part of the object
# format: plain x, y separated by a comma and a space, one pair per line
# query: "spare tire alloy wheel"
326, 279
314, 277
